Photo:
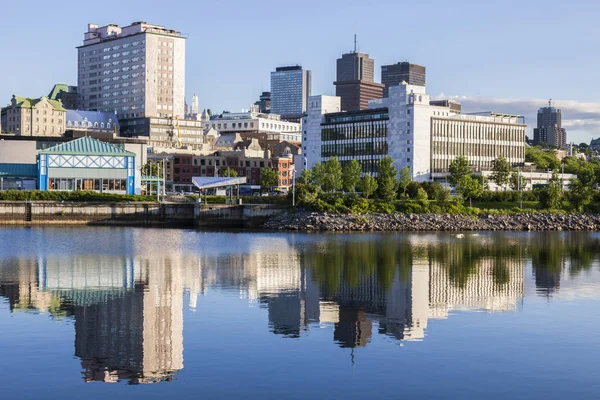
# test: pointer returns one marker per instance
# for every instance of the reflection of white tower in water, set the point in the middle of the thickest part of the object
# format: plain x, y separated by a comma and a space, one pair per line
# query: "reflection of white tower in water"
128, 313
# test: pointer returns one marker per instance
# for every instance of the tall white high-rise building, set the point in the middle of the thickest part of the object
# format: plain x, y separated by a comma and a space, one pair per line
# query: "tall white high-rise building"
195, 105
137, 71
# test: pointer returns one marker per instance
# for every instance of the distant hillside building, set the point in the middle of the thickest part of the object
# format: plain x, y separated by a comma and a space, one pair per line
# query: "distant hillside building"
34, 117
549, 129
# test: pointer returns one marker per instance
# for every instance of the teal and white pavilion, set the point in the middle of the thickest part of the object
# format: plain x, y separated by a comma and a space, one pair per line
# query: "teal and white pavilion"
87, 164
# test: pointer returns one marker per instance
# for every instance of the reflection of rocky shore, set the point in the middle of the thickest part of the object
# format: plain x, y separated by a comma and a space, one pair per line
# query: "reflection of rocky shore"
312, 221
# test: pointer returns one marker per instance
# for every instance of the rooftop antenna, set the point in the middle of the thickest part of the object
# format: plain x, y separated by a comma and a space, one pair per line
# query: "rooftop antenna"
550, 103
355, 42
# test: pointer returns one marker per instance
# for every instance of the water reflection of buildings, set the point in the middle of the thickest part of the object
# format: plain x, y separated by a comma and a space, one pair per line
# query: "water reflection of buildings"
128, 312
300, 295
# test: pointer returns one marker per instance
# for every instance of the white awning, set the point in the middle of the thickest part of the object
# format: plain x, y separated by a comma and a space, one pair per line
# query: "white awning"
205, 182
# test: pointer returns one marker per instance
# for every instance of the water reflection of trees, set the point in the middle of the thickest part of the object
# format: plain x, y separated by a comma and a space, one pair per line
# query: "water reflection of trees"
335, 262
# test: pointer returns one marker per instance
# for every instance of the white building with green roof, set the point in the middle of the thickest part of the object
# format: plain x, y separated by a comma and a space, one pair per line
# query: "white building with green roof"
87, 164
26, 116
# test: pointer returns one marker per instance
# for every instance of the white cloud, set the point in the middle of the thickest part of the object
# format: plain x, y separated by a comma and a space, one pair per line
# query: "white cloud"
581, 119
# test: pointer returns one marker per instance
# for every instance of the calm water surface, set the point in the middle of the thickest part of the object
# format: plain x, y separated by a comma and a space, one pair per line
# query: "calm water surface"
111, 313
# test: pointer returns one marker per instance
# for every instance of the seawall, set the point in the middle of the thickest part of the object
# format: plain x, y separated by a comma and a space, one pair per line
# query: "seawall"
89, 213
313, 222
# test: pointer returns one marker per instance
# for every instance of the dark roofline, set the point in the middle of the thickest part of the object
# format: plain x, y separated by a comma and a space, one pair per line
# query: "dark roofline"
290, 68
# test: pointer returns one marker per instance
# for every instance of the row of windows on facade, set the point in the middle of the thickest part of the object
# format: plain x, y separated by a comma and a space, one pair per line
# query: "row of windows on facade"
345, 132
108, 65
88, 124
114, 48
222, 162
240, 171
367, 166
36, 128
251, 125
479, 131
109, 56
451, 149
355, 149
100, 185
18, 110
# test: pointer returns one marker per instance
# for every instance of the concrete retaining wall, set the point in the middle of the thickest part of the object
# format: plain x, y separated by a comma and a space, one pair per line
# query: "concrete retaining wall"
235, 216
57, 213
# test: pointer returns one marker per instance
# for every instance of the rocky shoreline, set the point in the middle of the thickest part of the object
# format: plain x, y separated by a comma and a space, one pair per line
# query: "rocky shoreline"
321, 222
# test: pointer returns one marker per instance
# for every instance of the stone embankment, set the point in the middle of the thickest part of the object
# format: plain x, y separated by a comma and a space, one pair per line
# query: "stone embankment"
313, 221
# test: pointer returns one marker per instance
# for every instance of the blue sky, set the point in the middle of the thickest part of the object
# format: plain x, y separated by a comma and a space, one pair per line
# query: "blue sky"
506, 56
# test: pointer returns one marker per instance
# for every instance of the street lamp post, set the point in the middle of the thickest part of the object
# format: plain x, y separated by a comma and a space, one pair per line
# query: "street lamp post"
521, 188
294, 187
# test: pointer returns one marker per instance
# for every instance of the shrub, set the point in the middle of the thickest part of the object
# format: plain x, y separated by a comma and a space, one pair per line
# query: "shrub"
41, 195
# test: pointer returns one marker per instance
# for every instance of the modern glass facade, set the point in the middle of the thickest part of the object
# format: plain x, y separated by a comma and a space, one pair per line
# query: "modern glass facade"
290, 88
360, 136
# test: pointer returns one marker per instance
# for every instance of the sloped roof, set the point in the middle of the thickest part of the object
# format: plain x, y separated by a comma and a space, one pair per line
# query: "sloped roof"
595, 142
93, 117
29, 102
59, 87
87, 146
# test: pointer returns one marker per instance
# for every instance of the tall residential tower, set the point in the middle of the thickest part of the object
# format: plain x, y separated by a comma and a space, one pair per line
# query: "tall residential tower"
549, 129
290, 89
137, 71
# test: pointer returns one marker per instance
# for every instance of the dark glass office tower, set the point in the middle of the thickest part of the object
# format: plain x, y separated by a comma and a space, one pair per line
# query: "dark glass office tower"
395, 74
355, 81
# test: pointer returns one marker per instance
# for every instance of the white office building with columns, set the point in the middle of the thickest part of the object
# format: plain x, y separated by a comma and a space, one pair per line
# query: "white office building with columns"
416, 134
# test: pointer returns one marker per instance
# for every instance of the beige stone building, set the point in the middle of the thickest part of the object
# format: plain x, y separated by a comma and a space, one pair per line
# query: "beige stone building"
34, 117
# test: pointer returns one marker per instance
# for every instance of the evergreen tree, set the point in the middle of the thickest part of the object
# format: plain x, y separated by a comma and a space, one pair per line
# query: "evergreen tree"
367, 186
318, 175
333, 175
405, 179
268, 178
387, 182
351, 175
458, 168
502, 170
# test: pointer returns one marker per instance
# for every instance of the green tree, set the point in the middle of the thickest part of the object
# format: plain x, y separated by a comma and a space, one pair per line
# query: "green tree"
542, 158
458, 169
367, 186
405, 179
551, 195
318, 174
514, 181
422, 196
351, 175
501, 171
333, 175
305, 177
268, 178
151, 169
579, 195
229, 172
387, 182
468, 187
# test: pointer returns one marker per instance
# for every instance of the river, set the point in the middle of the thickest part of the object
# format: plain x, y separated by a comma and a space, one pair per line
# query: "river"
99, 313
